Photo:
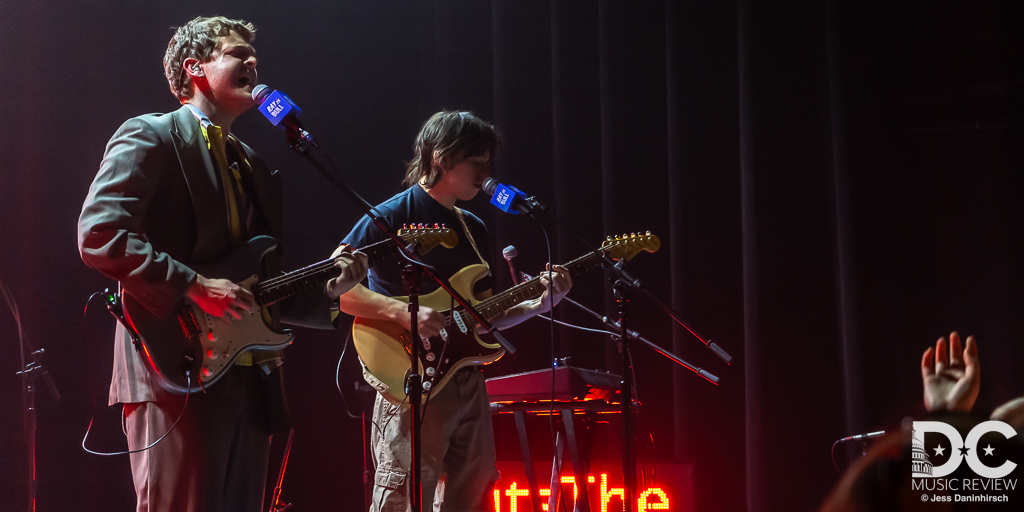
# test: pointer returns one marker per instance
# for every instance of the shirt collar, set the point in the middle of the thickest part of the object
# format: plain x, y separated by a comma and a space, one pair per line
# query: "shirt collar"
200, 116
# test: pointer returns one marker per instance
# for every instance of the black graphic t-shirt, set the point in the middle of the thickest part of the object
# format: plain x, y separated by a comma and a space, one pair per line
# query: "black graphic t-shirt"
414, 206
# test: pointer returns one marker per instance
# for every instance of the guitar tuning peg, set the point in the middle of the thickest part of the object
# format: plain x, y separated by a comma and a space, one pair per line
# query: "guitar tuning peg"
648, 232
405, 226
608, 238
421, 225
435, 226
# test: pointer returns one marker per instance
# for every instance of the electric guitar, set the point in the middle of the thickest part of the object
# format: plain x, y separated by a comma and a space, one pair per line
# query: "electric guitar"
384, 346
190, 349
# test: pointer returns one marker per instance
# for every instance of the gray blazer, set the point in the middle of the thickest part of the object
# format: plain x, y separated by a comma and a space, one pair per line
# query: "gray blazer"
156, 207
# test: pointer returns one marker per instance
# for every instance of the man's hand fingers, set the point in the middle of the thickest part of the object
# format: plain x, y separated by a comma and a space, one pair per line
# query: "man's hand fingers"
230, 314
246, 298
928, 363
956, 351
941, 355
971, 355
343, 248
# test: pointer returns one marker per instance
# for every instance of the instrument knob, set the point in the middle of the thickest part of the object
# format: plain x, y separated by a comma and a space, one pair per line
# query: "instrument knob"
212, 336
211, 354
207, 373
427, 385
431, 371
430, 357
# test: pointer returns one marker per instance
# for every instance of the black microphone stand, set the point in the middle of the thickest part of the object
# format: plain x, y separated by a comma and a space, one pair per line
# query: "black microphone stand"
414, 383
628, 451
624, 282
614, 327
530, 205
32, 368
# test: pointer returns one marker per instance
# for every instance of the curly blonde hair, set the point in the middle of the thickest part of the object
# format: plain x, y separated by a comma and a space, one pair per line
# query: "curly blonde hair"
198, 39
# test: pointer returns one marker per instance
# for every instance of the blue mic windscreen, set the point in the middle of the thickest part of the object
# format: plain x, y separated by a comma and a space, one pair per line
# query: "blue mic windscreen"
505, 196
277, 107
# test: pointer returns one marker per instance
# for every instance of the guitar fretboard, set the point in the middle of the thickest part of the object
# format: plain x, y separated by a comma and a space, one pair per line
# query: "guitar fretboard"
496, 305
279, 288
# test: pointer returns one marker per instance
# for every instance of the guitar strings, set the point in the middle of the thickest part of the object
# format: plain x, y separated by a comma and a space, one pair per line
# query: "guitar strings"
311, 270
528, 286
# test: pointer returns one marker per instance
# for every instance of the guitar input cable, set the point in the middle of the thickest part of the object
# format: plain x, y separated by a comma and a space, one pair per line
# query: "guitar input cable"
348, 411
113, 304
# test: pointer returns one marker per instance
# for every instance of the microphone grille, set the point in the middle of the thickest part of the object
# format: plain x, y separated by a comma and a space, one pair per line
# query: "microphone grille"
510, 252
260, 93
489, 186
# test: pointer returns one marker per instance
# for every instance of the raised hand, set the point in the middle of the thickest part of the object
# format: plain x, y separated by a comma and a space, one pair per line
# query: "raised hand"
951, 375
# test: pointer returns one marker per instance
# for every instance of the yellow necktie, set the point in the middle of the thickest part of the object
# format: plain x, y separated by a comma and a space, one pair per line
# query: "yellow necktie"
217, 145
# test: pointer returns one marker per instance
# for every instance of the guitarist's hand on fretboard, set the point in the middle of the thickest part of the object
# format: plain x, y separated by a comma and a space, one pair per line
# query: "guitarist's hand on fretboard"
560, 285
353, 270
221, 298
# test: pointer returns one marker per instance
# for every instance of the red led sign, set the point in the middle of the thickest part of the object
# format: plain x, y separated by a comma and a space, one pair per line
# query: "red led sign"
659, 487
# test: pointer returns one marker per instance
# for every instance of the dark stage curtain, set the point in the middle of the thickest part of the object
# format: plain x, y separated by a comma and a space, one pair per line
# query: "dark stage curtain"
835, 184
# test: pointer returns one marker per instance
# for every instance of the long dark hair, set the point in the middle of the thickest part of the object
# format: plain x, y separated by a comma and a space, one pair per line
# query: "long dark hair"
446, 139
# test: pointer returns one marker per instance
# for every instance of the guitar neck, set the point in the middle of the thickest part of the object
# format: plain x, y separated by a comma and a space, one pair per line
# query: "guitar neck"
529, 289
281, 287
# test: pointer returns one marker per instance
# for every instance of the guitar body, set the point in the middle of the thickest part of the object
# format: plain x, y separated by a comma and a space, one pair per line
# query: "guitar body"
384, 346
190, 341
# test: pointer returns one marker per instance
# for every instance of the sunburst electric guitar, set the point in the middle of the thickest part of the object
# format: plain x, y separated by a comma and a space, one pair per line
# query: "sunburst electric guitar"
190, 349
384, 346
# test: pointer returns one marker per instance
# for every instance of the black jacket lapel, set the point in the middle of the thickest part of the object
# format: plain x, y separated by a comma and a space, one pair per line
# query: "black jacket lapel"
212, 231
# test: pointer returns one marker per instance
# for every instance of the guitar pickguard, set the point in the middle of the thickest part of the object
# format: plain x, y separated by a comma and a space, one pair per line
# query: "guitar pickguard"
384, 347
223, 342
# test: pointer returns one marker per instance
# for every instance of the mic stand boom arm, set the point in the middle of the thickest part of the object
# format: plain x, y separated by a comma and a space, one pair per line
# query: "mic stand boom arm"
530, 205
614, 327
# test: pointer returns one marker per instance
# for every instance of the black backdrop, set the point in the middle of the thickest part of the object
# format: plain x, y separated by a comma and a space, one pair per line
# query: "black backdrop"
835, 184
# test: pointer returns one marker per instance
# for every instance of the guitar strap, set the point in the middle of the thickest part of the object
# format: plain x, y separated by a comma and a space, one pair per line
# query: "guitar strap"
472, 242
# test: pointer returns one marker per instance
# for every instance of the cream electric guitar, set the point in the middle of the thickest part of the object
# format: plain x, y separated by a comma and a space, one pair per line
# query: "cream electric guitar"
190, 349
384, 349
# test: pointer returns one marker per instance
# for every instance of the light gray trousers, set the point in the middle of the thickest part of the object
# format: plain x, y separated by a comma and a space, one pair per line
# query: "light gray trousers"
457, 449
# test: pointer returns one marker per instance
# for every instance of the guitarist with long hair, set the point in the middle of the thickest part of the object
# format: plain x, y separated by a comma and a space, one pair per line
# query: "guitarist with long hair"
452, 157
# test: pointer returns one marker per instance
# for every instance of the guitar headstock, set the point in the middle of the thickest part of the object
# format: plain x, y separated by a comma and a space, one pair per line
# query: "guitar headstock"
626, 246
428, 237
